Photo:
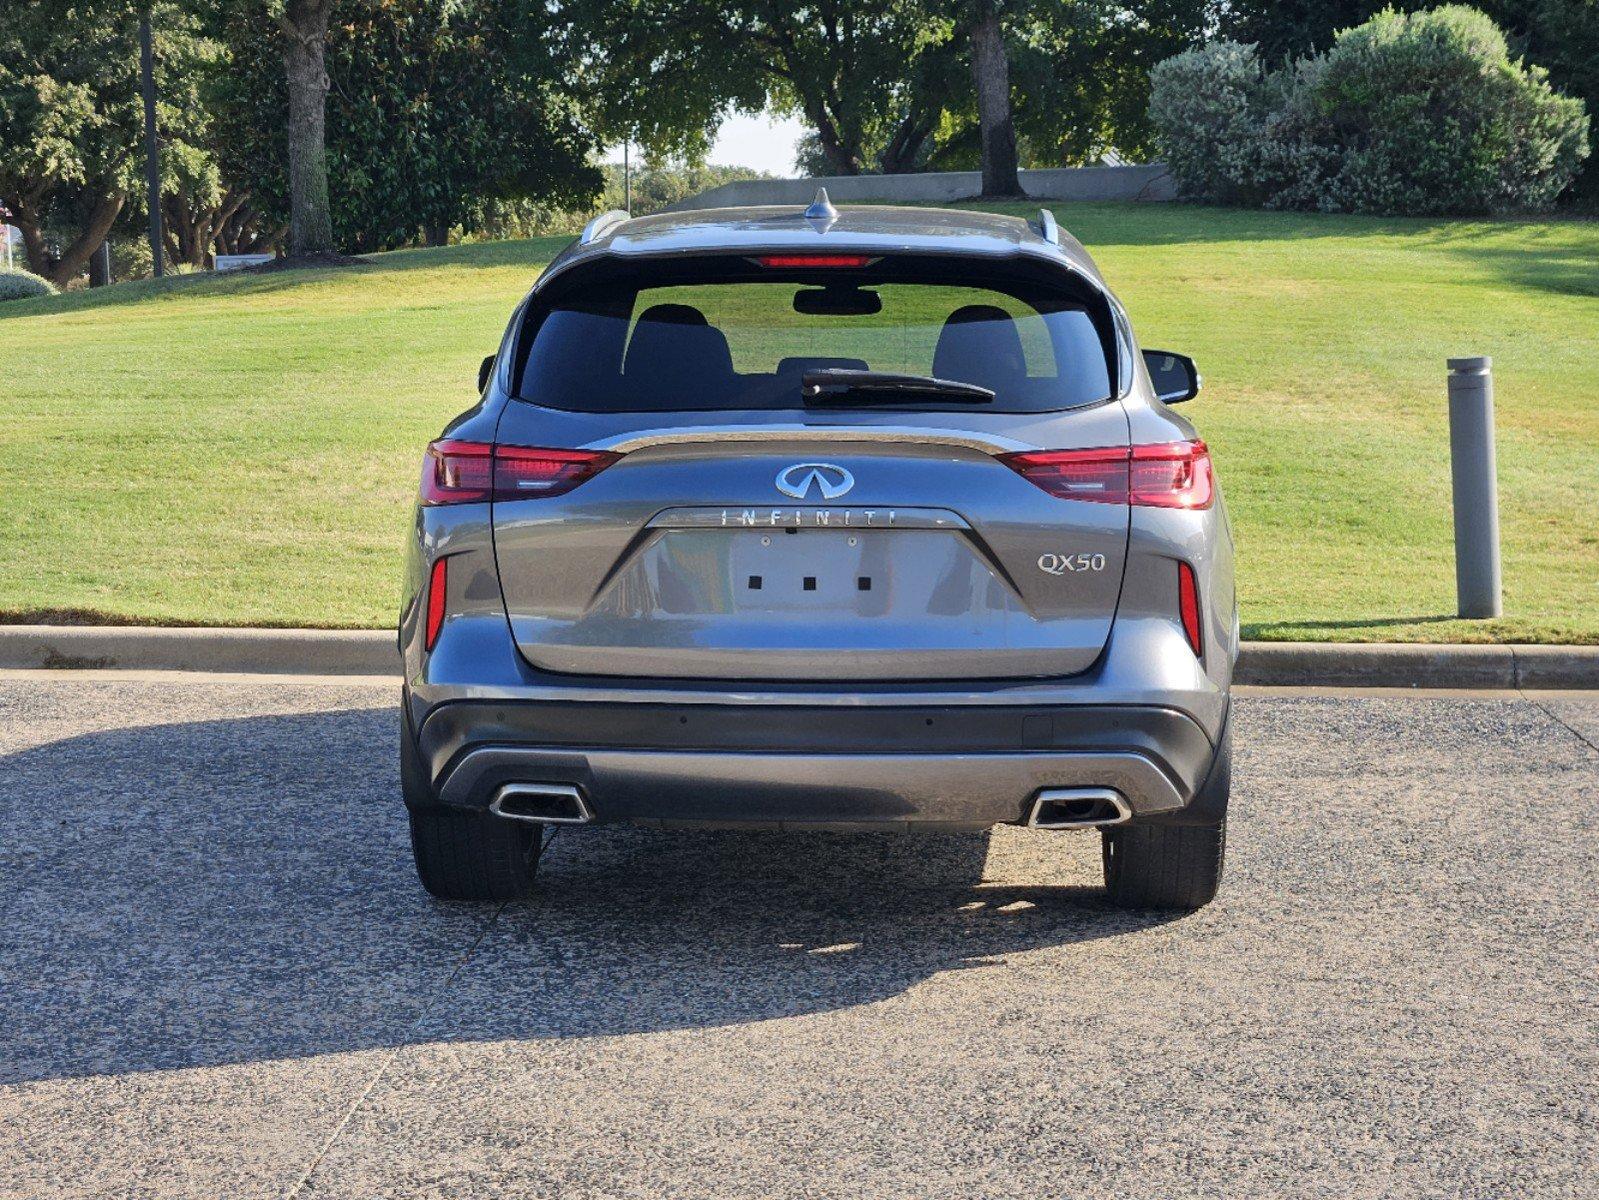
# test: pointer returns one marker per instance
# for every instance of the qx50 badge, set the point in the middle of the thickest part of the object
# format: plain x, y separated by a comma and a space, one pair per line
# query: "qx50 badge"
830, 482
1059, 564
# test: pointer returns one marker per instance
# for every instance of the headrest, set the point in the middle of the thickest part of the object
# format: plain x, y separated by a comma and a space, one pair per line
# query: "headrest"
980, 344
673, 314
674, 345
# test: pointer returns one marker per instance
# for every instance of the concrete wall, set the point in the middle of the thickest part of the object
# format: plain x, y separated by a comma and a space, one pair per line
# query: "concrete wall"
938, 187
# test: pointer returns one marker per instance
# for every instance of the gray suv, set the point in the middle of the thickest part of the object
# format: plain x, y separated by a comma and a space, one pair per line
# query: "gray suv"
865, 519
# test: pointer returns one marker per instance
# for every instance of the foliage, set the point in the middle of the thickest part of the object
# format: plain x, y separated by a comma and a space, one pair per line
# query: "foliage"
24, 285
1282, 30
130, 258
659, 184
69, 121
201, 205
655, 186
435, 112
72, 124
1080, 73
1207, 105
1434, 116
1561, 36
1417, 113
870, 76
885, 85
69, 109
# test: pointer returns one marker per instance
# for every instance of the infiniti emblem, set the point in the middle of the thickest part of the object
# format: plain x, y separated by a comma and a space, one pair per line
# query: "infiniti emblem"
798, 480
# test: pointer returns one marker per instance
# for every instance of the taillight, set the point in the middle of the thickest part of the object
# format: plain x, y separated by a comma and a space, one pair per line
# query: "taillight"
1168, 475
1188, 607
436, 591
1097, 475
457, 472
522, 472
1173, 475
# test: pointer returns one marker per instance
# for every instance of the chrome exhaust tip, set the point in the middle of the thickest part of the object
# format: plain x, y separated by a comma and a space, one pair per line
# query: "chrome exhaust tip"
542, 804
1078, 808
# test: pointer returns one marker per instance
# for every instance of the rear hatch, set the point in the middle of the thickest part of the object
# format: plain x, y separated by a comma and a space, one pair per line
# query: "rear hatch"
876, 533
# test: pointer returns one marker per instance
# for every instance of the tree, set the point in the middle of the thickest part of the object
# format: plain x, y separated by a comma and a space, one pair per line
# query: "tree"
1065, 81
1284, 29
201, 211
303, 25
72, 126
68, 126
438, 111
1080, 73
886, 85
872, 77
991, 81
1563, 37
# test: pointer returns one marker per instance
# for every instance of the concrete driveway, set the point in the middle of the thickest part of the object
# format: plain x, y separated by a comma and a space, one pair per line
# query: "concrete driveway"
218, 977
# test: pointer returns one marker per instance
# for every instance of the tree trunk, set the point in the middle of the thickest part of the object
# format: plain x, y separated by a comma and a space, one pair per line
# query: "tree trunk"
33, 246
845, 160
899, 156
842, 160
305, 28
76, 256
177, 229
991, 74
232, 202
436, 233
242, 234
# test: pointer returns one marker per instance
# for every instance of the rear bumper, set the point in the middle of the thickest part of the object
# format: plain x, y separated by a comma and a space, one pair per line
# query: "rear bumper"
814, 766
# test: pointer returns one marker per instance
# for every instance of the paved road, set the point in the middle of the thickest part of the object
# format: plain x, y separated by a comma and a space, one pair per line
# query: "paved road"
217, 977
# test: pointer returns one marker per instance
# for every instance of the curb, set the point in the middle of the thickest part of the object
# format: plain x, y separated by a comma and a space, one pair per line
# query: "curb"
1383, 664
372, 652
144, 648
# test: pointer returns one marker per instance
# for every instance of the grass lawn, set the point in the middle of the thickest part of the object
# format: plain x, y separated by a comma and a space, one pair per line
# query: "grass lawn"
243, 450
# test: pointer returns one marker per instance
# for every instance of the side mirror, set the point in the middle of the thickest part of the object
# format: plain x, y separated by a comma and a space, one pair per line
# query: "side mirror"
484, 370
1174, 376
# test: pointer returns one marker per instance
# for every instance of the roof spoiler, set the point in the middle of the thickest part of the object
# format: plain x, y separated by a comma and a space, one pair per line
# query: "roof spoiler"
602, 225
1047, 228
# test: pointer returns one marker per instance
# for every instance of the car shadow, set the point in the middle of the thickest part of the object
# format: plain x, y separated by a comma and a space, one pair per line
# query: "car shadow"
194, 894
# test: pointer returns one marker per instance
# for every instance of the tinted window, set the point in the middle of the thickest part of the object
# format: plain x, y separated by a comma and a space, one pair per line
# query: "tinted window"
746, 345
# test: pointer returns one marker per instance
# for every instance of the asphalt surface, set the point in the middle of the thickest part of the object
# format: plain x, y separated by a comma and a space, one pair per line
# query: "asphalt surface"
218, 977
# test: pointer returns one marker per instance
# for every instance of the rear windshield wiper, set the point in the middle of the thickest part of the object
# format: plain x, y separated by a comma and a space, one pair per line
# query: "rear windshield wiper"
833, 385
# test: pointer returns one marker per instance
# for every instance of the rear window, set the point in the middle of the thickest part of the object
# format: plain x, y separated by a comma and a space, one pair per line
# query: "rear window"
747, 344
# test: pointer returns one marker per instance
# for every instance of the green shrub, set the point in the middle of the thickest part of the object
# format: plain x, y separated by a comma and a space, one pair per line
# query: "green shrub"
1434, 116
130, 258
24, 285
1409, 113
1207, 107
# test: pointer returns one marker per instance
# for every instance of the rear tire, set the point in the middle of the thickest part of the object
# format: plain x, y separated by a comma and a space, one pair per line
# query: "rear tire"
465, 854
1174, 861
1164, 866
